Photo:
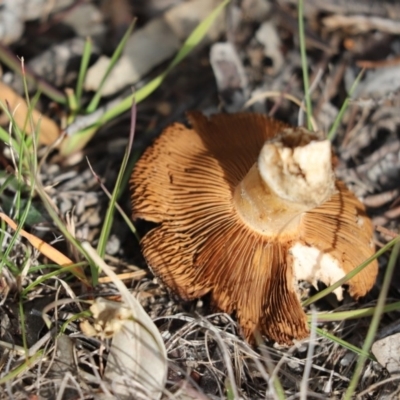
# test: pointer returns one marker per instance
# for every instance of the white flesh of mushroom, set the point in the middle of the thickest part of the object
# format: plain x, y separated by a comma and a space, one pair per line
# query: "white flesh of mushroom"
312, 265
302, 174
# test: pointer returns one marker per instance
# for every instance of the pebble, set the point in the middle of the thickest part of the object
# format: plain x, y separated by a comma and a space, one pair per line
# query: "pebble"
113, 245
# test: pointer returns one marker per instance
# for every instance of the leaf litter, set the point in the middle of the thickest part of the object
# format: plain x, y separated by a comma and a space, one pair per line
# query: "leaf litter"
207, 356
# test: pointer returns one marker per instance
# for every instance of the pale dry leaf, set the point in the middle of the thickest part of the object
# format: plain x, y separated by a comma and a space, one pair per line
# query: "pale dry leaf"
387, 352
268, 36
230, 75
14, 13
139, 55
360, 24
137, 362
377, 83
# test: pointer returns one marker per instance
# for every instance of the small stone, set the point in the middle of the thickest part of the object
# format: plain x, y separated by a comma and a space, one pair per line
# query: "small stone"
65, 206
347, 359
91, 199
92, 217
387, 352
294, 365
80, 206
113, 245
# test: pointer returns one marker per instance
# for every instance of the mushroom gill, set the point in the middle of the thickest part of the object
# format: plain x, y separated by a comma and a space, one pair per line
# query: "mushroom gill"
248, 206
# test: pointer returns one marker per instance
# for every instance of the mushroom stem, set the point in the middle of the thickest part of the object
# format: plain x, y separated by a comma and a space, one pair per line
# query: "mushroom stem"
293, 175
262, 209
297, 167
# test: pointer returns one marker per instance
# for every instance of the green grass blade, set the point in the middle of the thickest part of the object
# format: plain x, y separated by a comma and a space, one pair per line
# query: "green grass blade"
127, 219
5, 136
108, 220
338, 119
374, 323
350, 275
22, 324
345, 344
87, 51
25, 154
304, 65
72, 103
9, 179
43, 278
355, 314
28, 364
117, 54
79, 316
61, 226
80, 139
190, 43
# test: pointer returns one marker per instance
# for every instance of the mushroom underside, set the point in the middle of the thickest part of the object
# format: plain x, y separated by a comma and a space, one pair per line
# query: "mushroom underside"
186, 183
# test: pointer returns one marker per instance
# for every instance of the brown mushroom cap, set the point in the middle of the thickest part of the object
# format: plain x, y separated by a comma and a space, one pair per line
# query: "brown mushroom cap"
228, 229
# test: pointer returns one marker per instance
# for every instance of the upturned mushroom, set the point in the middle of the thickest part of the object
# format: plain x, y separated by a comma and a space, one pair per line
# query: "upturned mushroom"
247, 207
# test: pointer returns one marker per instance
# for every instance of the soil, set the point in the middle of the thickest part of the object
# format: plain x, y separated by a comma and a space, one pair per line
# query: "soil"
340, 41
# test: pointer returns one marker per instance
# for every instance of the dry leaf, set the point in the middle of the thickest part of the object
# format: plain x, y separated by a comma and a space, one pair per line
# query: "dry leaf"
47, 250
139, 57
49, 131
387, 352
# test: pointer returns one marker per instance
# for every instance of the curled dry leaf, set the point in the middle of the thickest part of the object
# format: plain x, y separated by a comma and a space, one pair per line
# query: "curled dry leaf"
135, 362
247, 207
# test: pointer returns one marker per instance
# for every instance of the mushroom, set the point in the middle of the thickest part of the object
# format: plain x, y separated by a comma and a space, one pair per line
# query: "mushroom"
247, 207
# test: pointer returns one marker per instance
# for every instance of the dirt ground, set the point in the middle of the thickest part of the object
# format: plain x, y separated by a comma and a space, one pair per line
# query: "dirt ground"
250, 60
